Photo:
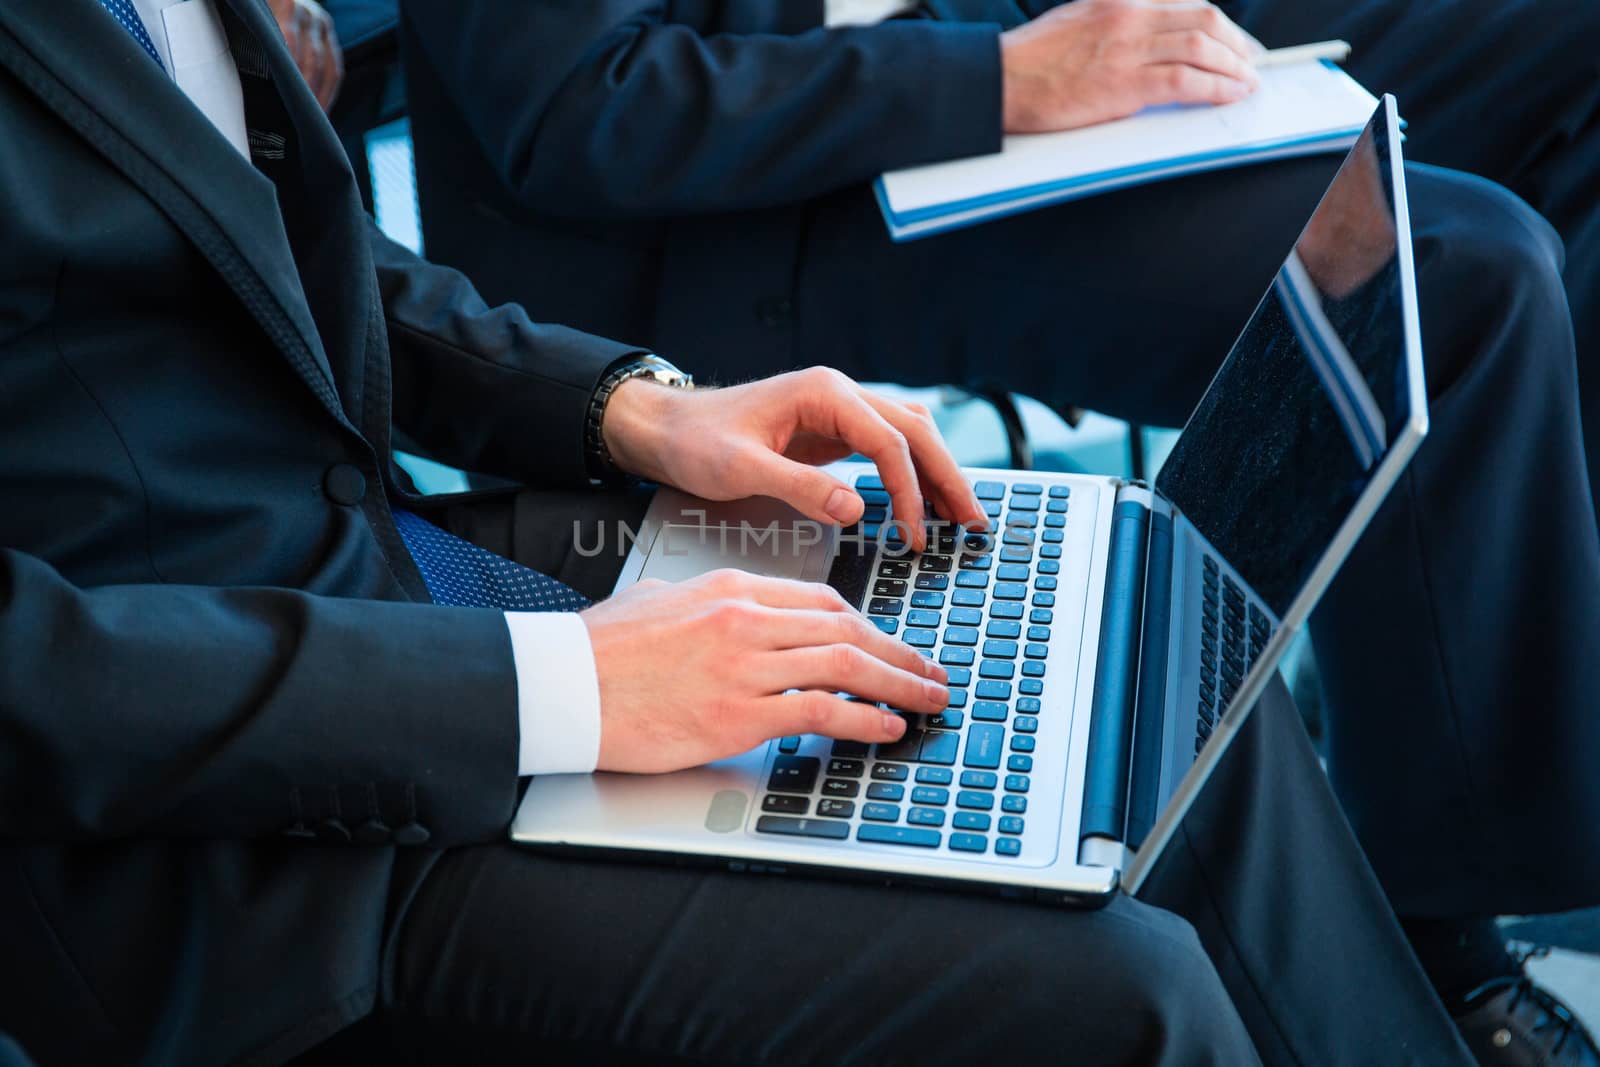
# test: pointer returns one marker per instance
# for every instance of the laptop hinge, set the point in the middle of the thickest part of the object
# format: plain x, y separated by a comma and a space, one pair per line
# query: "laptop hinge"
1150, 717
1105, 790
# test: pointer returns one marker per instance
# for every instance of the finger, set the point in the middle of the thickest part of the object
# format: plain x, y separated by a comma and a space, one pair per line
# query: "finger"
1200, 50
785, 593
849, 669
832, 404
810, 490
828, 715
1179, 83
786, 629
1207, 18
940, 475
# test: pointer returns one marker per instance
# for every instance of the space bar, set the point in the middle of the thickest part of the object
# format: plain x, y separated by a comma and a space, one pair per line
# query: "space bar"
898, 835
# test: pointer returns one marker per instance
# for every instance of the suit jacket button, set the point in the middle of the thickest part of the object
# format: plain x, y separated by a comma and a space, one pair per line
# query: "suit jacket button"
412, 833
344, 484
373, 832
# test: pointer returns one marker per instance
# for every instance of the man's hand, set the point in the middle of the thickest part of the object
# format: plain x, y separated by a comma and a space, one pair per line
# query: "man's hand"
309, 32
764, 439
701, 670
1092, 61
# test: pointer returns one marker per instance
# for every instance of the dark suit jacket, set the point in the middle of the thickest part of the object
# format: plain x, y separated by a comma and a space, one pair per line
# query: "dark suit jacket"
211, 636
646, 167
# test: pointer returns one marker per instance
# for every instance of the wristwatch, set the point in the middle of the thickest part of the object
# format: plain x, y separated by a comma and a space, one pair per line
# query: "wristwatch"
602, 468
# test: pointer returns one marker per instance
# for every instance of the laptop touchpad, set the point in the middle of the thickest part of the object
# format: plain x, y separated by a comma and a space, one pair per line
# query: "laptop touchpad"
682, 551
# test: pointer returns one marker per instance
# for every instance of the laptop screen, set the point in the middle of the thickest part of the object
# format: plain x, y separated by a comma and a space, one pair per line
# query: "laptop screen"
1316, 390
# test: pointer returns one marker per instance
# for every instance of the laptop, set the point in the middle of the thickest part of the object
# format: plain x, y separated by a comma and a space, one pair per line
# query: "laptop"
1105, 639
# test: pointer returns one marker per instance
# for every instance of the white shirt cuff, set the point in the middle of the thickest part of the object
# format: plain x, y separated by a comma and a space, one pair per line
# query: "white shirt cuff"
863, 12
558, 693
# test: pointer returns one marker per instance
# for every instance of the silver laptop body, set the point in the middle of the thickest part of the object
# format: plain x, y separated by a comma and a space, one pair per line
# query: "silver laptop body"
1123, 632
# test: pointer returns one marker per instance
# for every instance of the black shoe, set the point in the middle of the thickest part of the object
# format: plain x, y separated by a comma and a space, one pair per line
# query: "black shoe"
1512, 1022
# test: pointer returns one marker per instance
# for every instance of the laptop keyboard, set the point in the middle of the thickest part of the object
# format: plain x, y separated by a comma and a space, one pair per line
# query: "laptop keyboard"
1233, 634
984, 605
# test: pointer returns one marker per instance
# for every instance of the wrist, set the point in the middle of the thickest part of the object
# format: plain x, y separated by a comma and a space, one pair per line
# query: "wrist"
634, 426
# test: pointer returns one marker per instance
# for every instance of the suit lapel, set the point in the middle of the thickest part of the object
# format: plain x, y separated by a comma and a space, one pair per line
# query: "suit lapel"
97, 78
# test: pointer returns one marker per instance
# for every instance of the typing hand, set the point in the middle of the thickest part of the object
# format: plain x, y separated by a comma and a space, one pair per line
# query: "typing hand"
699, 671
764, 438
1092, 61
309, 32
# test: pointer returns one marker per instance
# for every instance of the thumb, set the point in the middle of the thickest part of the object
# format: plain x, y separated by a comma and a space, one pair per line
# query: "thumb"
809, 490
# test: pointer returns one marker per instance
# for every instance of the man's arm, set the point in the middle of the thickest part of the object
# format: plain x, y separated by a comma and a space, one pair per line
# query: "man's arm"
156, 710
610, 107
486, 388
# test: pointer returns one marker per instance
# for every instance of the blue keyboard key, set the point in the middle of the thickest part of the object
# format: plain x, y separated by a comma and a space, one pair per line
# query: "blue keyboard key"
1014, 805
976, 563
1022, 743
970, 820
1006, 609
925, 599
1026, 724
1028, 488
1038, 633
996, 668
979, 779
874, 834
1019, 763
925, 817
1016, 553
881, 812
1000, 649
1008, 846
1012, 572
1060, 492
969, 843
988, 711
972, 580
958, 675
939, 746
935, 582
1044, 600
1051, 537
1049, 551
1030, 687
989, 490
1041, 616
983, 746
1010, 824
991, 508
974, 800
1018, 535
1010, 591
1049, 566
1024, 503
869, 481
949, 718
885, 623
884, 791
789, 746
1025, 520
935, 775
1055, 522
1007, 628
991, 689
957, 699
1045, 583
1057, 507
966, 617
960, 635
958, 657
968, 598
1033, 668
920, 617
920, 638
930, 794
1028, 705
1016, 783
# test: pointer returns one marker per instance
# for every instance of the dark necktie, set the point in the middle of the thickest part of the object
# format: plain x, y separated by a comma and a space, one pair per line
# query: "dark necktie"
123, 12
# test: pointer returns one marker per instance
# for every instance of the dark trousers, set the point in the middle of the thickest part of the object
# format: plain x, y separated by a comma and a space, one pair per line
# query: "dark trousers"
1263, 934
1457, 643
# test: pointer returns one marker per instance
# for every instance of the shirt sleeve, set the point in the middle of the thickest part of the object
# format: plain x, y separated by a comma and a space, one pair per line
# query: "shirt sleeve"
558, 693
863, 12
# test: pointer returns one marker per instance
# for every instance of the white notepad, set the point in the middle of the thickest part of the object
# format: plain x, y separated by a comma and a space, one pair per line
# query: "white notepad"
1298, 110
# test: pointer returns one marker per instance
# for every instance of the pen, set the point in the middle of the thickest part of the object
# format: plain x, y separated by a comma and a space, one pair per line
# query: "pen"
1338, 51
